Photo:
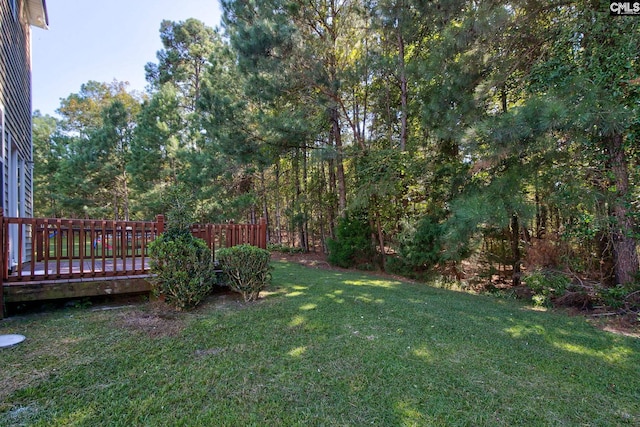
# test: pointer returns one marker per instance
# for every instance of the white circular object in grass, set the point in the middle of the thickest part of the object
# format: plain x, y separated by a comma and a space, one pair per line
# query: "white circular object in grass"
9, 340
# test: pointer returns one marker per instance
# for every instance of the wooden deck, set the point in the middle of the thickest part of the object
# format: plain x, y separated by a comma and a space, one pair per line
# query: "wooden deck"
80, 269
60, 280
74, 288
54, 258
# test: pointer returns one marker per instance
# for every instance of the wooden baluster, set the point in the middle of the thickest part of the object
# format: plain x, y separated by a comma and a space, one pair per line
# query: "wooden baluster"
34, 243
82, 246
114, 246
70, 245
58, 242
40, 234
20, 246
47, 248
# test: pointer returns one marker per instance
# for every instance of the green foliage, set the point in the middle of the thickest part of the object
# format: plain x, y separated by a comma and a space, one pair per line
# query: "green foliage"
619, 296
46, 156
352, 245
247, 269
421, 246
420, 249
285, 249
514, 112
81, 164
546, 285
180, 204
187, 47
156, 142
182, 263
397, 265
183, 266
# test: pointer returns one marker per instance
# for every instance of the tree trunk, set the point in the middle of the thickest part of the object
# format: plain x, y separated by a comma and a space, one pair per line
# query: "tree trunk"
383, 255
278, 229
337, 140
265, 207
515, 250
404, 96
539, 227
305, 206
332, 204
298, 210
125, 194
115, 206
625, 253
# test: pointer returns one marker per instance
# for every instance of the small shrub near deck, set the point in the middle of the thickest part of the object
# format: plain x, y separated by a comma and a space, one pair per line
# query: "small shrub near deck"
184, 268
182, 263
247, 269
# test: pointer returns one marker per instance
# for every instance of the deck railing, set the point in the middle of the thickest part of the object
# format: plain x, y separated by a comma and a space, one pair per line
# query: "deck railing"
54, 248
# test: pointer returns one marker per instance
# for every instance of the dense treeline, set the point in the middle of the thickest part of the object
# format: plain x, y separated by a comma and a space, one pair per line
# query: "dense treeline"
505, 132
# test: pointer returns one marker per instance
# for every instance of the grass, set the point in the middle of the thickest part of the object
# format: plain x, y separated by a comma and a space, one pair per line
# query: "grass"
321, 348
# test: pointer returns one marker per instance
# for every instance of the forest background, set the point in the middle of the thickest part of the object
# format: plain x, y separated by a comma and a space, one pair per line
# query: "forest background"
404, 135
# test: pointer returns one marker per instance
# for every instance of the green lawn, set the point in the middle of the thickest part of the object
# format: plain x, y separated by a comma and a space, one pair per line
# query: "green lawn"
321, 348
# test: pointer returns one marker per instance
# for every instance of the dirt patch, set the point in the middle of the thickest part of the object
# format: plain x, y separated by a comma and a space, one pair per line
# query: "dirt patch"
156, 320
622, 324
310, 259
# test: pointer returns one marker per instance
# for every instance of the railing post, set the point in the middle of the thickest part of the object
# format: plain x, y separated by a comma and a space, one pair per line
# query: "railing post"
160, 223
230, 234
2, 264
262, 233
39, 233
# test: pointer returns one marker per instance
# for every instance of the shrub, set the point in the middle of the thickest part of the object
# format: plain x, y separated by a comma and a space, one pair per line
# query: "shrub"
546, 286
421, 248
352, 245
620, 296
285, 249
182, 263
247, 269
397, 265
183, 267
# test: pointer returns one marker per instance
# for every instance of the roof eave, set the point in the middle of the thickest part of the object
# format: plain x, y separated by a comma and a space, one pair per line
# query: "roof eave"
37, 14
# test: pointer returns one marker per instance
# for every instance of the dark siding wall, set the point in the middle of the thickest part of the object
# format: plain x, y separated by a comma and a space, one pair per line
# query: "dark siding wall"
15, 85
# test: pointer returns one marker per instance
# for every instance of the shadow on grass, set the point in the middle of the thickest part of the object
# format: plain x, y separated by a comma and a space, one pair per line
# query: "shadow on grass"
324, 348
433, 356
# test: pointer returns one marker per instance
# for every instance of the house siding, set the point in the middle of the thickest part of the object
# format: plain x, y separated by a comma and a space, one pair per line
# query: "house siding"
15, 99
15, 107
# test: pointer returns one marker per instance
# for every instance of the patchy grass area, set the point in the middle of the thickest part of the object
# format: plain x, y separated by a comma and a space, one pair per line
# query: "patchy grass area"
321, 348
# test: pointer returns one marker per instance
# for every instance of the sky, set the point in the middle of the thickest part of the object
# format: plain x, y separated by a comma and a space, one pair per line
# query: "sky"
102, 41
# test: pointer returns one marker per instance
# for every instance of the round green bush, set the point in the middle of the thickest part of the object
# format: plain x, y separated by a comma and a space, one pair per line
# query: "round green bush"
247, 269
183, 268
